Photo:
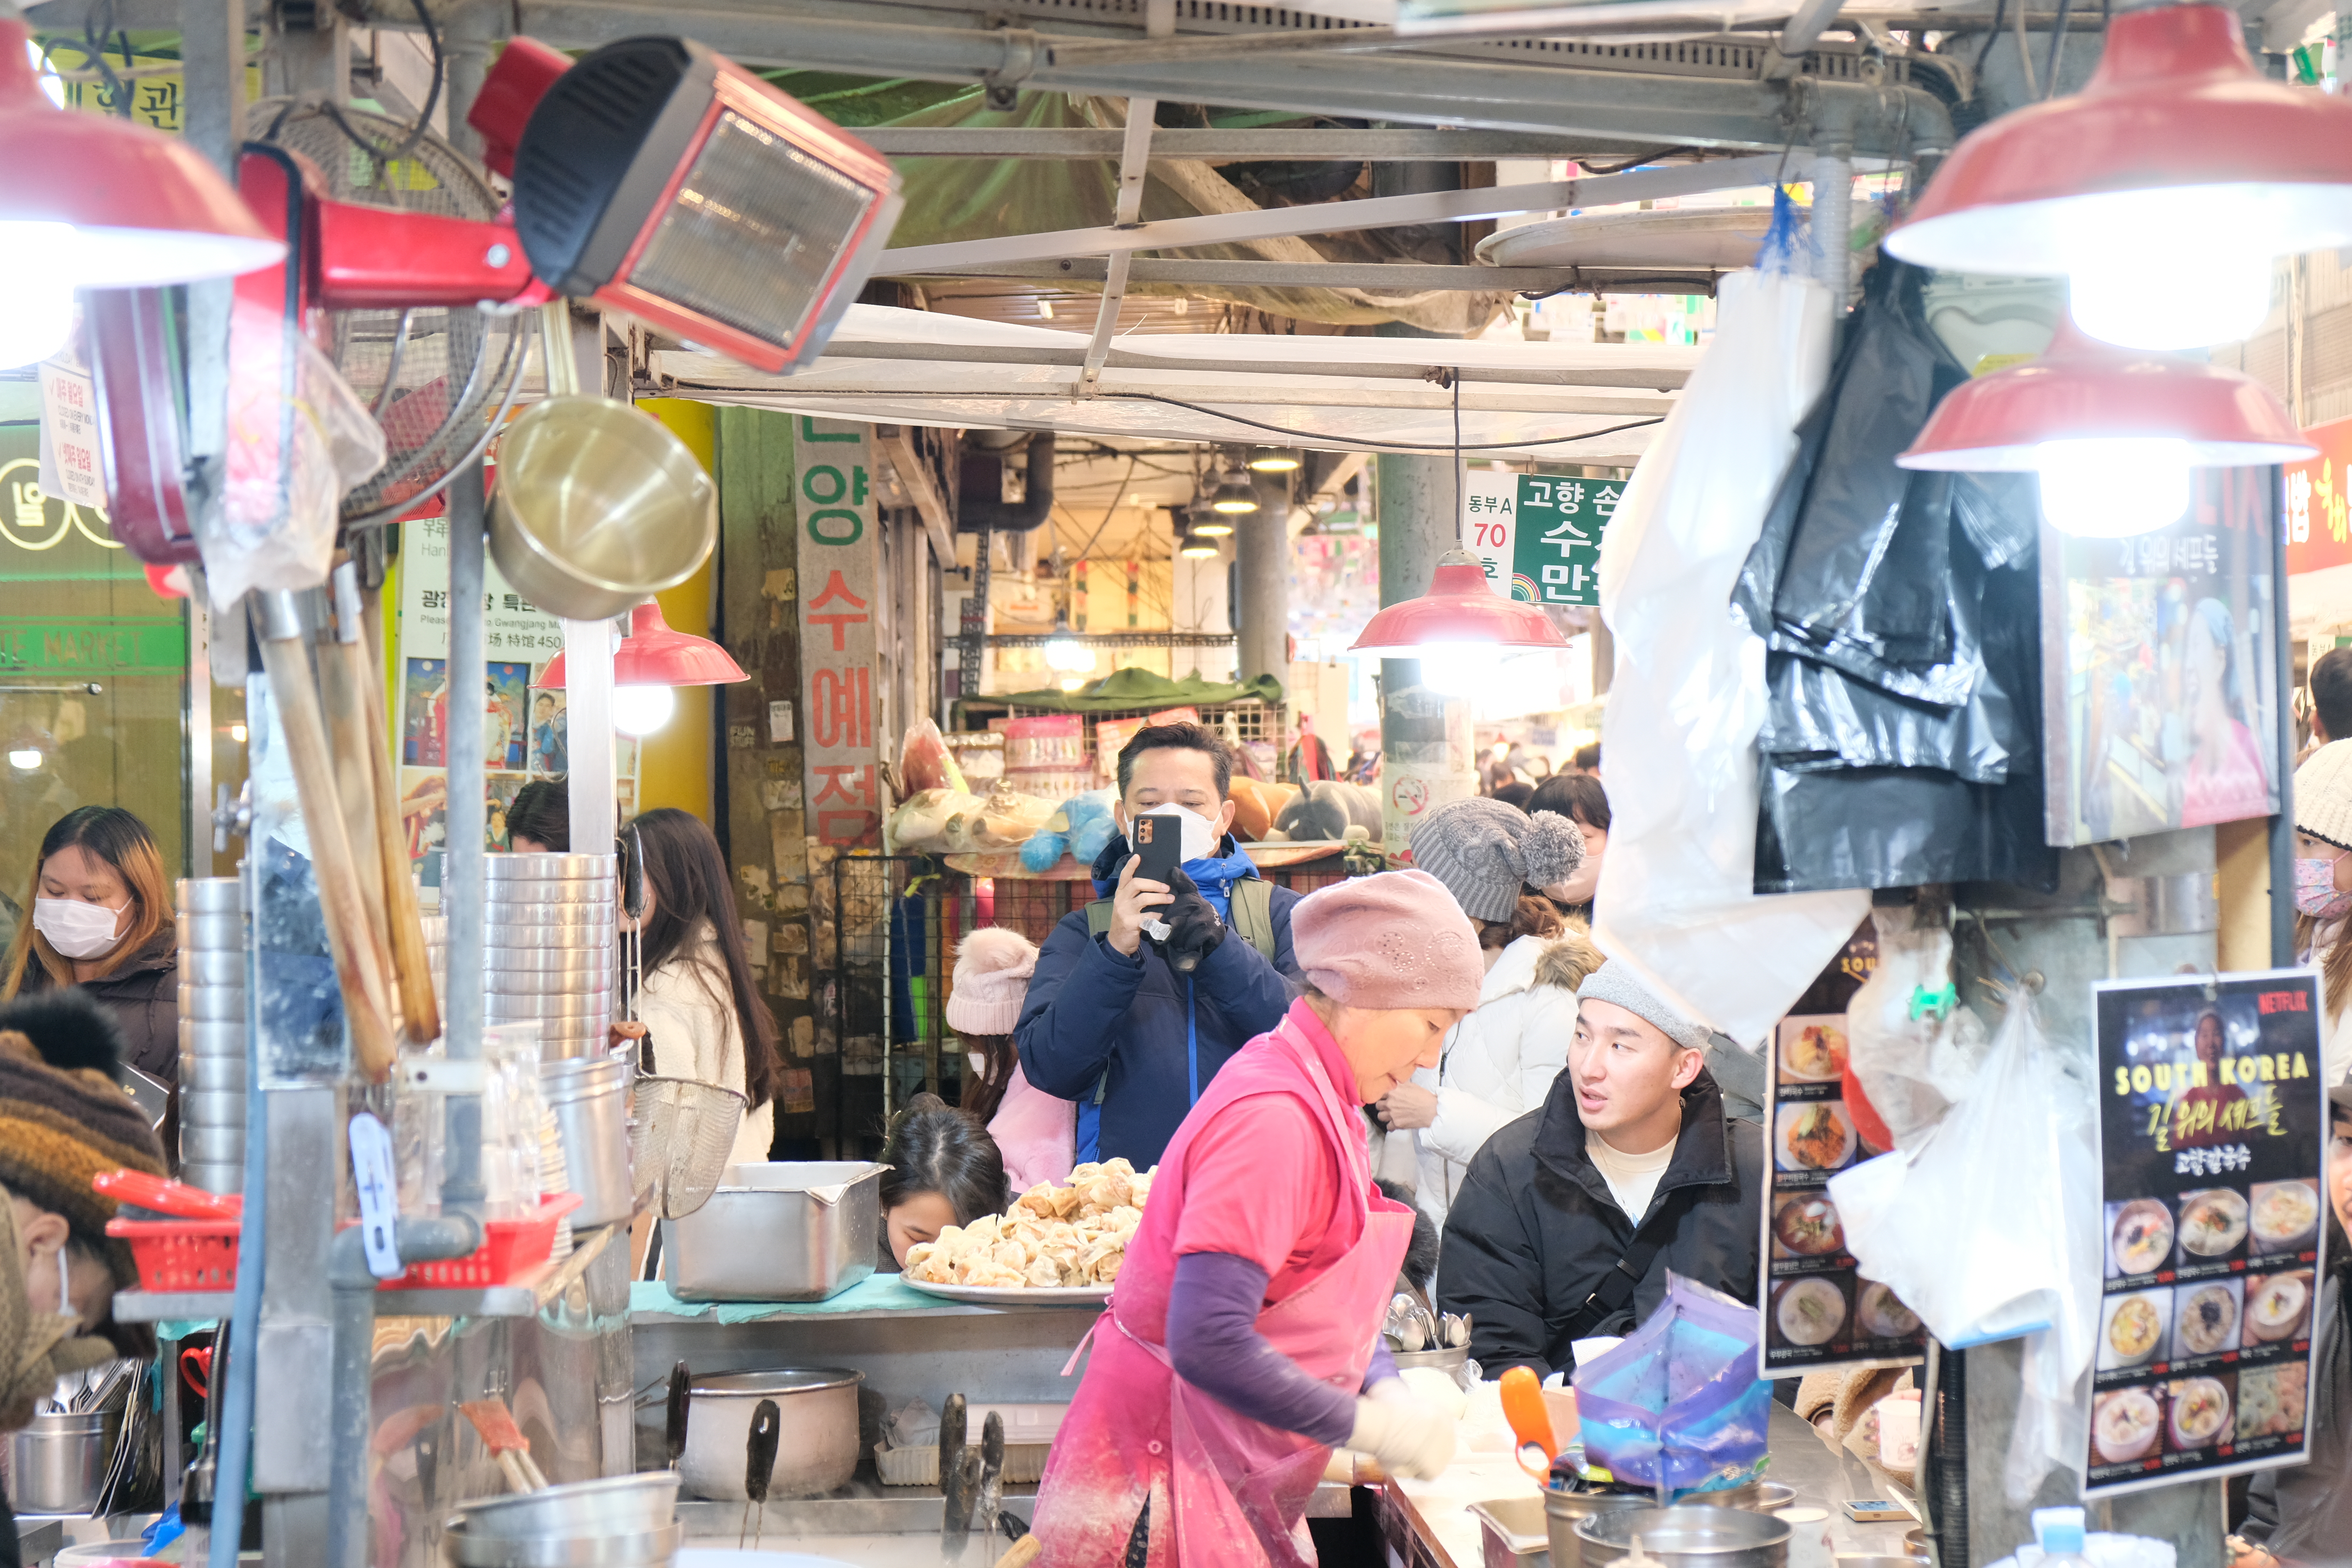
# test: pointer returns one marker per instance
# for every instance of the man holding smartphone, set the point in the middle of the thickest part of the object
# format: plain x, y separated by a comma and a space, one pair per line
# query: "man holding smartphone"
1140, 998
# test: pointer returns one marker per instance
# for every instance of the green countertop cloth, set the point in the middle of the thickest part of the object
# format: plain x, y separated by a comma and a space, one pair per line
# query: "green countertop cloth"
875, 1293
1130, 687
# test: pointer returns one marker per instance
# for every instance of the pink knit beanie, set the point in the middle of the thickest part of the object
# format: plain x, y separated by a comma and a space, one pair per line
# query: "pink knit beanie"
1396, 940
992, 967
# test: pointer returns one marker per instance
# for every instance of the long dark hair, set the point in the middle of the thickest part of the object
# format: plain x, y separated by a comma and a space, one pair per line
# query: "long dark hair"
983, 1091
935, 1148
1577, 797
687, 877
122, 841
541, 813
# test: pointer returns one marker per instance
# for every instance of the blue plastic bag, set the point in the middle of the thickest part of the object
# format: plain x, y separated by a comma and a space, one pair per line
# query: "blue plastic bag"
1677, 1406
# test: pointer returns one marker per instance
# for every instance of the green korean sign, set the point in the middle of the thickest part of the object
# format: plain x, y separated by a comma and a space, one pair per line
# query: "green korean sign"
1538, 535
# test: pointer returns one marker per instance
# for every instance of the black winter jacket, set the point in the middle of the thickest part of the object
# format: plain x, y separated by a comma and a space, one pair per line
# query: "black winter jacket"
143, 994
1534, 1228
2304, 1514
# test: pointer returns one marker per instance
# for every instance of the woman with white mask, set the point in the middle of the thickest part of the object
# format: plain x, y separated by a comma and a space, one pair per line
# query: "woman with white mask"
102, 922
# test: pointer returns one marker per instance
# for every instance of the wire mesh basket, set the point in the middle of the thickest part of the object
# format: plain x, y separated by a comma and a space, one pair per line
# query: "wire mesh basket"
439, 379
681, 1134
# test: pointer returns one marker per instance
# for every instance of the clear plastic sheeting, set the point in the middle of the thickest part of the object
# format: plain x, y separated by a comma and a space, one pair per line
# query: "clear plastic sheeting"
1989, 1230
299, 438
1900, 612
1677, 1405
1677, 901
1912, 1048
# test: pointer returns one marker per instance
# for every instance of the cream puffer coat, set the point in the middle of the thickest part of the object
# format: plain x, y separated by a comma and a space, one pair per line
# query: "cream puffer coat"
688, 1009
1498, 1062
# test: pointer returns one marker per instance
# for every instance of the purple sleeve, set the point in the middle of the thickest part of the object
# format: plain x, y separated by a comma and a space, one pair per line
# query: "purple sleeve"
1382, 1366
1215, 1345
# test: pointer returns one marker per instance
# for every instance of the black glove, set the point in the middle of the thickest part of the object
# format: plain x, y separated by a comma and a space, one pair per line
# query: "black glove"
1194, 928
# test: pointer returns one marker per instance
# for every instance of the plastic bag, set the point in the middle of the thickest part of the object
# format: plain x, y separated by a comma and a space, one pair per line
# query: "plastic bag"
1677, 900
1081, 828
1005, 820
1913, 1049
299, 440
921, 822
1989, 1230
924, 761
1677, 1406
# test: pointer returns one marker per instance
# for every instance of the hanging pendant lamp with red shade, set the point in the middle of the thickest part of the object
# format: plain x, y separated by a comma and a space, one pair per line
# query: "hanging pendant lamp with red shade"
2162, 191
2112, 432
652, 661
91, 201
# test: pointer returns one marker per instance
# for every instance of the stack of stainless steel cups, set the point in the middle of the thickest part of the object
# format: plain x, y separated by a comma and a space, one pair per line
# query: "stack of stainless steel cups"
212, 1033
550, 923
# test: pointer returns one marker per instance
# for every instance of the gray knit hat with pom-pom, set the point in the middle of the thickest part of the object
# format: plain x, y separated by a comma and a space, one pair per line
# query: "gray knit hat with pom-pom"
1487, 851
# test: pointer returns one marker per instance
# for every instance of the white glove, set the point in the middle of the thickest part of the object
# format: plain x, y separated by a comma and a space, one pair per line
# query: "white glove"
1408, 1437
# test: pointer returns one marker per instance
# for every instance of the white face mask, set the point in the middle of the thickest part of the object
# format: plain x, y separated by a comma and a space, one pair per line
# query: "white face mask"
78, 930
1197, 835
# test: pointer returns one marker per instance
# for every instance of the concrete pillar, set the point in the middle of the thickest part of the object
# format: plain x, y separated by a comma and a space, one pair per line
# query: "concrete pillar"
1262, 550
1428, 756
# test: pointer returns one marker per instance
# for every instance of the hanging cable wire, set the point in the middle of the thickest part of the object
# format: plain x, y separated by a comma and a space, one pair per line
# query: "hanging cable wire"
2057, 49
1455, 380
1366, 444
1992, 36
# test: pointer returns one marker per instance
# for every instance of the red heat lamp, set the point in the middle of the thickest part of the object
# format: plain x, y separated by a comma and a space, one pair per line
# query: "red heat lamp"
2162, 191
1455, 627
667, 181
95, 202
2112, 432
651, 661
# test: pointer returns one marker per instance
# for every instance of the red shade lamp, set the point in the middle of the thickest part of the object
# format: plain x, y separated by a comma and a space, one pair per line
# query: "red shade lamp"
2162, 191
2112, 432
94, 202
1455, 625
651, 661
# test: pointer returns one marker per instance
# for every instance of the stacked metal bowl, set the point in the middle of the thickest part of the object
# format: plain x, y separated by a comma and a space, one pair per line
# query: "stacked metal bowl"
622, 1521
550, 923
212, 1033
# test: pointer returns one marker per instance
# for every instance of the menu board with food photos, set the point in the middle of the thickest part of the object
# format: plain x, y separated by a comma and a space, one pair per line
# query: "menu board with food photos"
2212, 1110
1819, 1311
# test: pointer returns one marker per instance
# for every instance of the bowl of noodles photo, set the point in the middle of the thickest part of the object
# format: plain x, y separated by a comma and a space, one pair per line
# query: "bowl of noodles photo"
2286, 1215
2124, 1424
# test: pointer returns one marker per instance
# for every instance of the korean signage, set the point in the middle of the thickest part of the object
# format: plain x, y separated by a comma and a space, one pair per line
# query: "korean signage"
1537, 535
2160, 672
526, 732
840, 582
2319, 502
1819, 1311
2212, 1109
151, 85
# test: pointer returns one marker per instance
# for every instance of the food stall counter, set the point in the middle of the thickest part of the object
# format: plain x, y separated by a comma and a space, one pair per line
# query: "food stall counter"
1428, 1524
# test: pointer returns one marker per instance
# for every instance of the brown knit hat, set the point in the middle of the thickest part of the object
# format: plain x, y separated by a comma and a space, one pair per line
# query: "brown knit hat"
63, 1119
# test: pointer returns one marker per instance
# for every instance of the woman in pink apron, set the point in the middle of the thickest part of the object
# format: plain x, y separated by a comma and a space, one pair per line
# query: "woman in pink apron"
1241, 1343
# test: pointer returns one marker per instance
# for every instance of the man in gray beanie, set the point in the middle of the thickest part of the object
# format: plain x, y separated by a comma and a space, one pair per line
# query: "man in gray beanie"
1571, 1216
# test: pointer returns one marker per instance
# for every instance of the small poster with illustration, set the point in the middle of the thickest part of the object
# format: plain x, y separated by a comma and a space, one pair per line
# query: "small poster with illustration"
1819, 1311
2212, 1107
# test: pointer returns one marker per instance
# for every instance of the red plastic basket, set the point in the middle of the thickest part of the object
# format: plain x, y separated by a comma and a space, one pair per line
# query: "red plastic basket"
511, 1247
181, 1254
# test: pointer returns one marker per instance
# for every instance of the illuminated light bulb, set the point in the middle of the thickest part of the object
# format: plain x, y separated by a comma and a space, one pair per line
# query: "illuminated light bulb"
642, 709
24, 759
2113, 488
1068, 654
1454, 668
1273, 460
2129, 301
1192, 547
236, 732
37, 290
1212, 525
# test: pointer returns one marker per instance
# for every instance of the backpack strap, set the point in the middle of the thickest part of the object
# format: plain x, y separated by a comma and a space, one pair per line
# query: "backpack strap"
1615, 1291
1098, 918
1251, 904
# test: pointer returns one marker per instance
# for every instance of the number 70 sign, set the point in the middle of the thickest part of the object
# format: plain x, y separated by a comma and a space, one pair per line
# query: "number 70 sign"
1538, 535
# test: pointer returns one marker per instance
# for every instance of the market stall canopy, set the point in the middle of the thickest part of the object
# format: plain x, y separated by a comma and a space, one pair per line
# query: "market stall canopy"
1573, 403
1125, 690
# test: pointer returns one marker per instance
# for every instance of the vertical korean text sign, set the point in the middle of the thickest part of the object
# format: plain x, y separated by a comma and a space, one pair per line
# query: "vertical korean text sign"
840, 574
2212, 1146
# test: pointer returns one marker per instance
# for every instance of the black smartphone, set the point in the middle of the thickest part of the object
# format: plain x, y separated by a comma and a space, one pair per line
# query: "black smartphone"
1160, 840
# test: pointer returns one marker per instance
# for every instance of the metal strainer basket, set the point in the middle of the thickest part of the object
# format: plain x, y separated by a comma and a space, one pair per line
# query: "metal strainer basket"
437, 378
681, 1136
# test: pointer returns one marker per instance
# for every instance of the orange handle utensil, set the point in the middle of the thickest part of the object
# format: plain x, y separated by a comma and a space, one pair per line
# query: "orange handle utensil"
1523, 1408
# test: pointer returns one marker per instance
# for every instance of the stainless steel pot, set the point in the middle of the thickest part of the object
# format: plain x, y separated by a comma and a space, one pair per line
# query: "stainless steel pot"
218, 932
1564, 1511
212, 967
616, 1505
499, 1007
212, 1107
214, 1144
549, 867
816, 1435
212, 1004
1685, 1536
590, 1098
222, 1073
219, 1037
57, 1464
778, 1232
470, 1550
206, 895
